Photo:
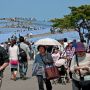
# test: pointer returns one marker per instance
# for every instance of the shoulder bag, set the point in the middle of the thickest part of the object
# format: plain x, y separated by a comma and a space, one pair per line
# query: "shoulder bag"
51, 71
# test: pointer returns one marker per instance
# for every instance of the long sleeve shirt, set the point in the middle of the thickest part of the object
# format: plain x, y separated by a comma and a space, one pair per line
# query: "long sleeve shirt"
40, 63
83, 62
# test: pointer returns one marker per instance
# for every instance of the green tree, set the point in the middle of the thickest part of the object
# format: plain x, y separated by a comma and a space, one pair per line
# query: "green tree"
77, 19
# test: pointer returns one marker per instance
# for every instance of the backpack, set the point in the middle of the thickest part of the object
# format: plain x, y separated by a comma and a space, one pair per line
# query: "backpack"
80, 49
22, 54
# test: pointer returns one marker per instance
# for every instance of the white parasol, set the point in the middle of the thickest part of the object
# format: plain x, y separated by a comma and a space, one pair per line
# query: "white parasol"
47, 41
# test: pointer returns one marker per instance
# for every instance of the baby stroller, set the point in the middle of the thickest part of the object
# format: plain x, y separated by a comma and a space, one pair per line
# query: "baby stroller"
62, 71
63, 75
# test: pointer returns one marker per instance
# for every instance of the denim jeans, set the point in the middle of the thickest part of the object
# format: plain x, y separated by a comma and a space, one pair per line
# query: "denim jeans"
41, 84
23, 67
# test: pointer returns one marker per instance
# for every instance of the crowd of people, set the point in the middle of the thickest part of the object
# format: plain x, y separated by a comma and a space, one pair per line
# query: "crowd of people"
70, 58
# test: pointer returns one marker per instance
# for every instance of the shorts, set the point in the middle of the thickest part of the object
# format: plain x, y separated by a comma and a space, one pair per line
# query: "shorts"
14, 69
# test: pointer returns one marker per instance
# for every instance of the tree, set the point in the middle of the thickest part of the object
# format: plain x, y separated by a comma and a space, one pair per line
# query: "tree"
77, 19
81, 17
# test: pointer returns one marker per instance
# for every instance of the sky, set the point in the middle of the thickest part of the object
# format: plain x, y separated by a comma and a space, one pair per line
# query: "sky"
40, 9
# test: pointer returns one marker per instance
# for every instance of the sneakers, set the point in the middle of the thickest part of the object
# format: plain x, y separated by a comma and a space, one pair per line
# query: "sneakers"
24, 78
13, 78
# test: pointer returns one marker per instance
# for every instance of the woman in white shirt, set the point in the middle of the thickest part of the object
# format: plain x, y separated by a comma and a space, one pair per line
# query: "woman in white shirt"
55, 54
13, 57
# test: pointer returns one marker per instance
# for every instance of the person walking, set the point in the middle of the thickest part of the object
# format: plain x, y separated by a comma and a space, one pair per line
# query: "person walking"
41, 60
56, 57
69, 52
80, 68
13, 57
23, 63
4, 62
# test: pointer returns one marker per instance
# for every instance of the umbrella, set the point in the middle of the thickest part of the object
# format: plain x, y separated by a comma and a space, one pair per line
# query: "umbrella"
47, 41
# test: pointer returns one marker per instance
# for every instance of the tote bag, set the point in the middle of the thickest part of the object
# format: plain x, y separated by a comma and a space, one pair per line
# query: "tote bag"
51, 72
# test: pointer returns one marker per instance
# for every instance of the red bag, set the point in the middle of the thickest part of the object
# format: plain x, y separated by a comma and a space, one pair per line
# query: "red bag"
14, 62
51, 72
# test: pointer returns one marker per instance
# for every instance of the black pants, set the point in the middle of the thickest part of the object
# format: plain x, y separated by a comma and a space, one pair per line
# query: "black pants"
41, 85
77, 86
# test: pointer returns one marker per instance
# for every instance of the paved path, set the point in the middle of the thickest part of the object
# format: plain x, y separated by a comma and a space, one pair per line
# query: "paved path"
29, 84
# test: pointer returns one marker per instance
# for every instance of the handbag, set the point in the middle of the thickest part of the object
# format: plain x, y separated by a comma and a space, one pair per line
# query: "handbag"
51, 71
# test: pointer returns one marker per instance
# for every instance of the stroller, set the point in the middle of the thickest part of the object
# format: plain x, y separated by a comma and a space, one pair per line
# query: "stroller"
63, 75
62, 71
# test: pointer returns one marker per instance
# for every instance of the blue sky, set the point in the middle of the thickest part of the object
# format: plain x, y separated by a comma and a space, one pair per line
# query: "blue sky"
40, 9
